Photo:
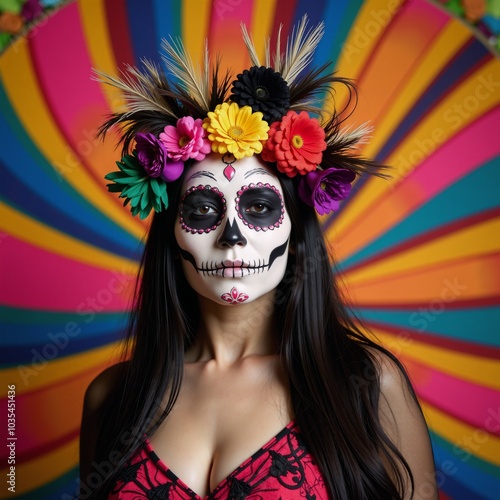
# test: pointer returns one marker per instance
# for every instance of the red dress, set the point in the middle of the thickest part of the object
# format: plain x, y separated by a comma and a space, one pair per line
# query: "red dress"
281, 469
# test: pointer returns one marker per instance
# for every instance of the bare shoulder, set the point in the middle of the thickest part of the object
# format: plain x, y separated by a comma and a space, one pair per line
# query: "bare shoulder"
398, 406
404, 423
101, 387
395, 389
97, 393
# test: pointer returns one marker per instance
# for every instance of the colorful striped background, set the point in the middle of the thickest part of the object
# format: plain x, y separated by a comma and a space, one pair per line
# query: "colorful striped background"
420, 252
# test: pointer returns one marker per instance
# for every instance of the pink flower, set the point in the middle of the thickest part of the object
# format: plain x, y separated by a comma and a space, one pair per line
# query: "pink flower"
296, 144
186, 140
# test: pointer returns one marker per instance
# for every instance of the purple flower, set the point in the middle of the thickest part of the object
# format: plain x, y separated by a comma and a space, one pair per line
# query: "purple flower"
152, 155
323, 189
31, 9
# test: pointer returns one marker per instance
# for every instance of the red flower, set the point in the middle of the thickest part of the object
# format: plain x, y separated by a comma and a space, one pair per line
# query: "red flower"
296, 144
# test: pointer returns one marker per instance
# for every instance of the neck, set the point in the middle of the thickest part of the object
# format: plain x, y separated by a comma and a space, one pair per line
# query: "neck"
230, 333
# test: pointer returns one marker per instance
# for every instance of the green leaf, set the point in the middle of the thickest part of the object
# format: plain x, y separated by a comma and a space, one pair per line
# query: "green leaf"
155, 187
142, 192
134, 190
144, 201
164, 199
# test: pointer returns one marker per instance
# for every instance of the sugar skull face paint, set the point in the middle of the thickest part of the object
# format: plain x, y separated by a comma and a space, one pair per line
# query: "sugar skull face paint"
233, 231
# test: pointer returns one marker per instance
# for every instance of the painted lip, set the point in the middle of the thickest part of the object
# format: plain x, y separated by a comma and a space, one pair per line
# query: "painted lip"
233, 268
233, 271
233, 263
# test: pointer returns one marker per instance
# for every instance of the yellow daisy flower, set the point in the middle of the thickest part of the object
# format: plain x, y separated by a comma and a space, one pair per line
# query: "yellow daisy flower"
235, 130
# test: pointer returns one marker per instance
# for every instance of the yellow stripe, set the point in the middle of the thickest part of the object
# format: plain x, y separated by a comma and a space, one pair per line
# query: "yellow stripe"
48, 467
27, 229
480, 239
476, 441
95, 28
195, 19
263, 15
20, 81
449, 40
474, 369
443, 121
64, 368
354, 55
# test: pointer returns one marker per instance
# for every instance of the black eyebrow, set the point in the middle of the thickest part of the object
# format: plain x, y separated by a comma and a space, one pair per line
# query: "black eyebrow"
258, 170
202, 173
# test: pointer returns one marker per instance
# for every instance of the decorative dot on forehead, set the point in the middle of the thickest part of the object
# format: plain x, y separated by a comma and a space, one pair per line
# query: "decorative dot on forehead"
229, 170
193, 199
265, 194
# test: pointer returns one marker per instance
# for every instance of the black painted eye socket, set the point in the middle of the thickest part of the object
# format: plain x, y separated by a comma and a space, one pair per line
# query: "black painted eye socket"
202, 209
260, 207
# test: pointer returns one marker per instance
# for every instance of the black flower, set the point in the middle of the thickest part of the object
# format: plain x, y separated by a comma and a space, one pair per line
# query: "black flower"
239, 490
280, 465
160, 492
129, 472
264, 90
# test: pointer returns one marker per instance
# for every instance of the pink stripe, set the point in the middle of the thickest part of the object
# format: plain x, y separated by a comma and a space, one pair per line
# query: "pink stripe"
225, 14
463, 400
64, 69
43, 280
225, 32
421, 20
466, 151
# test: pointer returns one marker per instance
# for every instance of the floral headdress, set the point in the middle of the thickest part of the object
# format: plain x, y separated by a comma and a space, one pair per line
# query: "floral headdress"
266, 110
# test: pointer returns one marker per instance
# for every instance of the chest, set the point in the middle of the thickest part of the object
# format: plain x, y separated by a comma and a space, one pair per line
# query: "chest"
282, 468
218, 422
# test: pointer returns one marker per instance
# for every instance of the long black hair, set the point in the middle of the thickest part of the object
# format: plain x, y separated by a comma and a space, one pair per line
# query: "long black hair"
331, 364
333, 374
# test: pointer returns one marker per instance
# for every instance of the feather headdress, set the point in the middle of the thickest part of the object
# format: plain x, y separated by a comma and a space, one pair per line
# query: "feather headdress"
190, 110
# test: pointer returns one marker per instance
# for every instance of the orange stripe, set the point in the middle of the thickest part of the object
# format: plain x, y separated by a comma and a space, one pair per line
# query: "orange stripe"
429, 283
52, 424
225, 33
195, 19
42, 376
372, 22
396, 59
355, 225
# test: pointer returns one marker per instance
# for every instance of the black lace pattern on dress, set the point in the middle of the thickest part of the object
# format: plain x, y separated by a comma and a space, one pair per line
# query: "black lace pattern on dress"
282, 469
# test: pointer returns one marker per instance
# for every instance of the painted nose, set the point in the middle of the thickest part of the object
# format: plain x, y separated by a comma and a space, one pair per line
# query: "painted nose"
231, 235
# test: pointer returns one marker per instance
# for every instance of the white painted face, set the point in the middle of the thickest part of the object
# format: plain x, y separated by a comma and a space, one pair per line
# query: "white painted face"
232, 229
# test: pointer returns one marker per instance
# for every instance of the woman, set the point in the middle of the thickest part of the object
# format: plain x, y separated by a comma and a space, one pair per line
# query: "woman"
245, 377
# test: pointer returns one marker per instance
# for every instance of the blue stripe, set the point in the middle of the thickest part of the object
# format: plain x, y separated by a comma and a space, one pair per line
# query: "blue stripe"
39, 179
468, 196
479, 326
19, 335
465, 454
449, 78
21, 197
32, 358
141, 21
167, 19
63, 487
339, 21
458, 476
314, 10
